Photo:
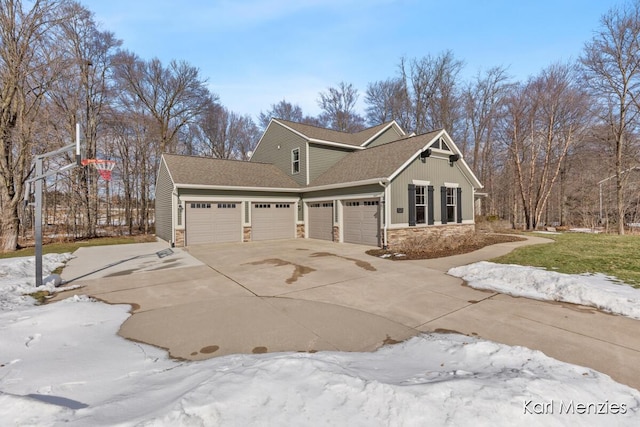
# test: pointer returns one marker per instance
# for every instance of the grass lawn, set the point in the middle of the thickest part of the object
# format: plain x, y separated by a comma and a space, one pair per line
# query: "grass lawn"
576, 253
59, 248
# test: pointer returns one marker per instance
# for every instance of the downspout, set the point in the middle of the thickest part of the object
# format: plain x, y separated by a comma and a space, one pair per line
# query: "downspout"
384, 185
174, 219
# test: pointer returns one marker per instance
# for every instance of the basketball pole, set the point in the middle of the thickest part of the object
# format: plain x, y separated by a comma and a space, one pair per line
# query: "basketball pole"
38, 179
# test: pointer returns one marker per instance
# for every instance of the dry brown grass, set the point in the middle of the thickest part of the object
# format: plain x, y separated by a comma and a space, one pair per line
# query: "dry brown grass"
431, 247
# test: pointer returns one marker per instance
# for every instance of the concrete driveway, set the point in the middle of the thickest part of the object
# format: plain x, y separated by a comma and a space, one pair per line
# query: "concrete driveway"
310, 295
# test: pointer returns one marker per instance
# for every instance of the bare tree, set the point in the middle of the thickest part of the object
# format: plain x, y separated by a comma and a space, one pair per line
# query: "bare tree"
543, 118
28, 66
82, 94
483, 98
432, 92
282, 110
224, 134
174, 96
386, 101
338, 105
611, 63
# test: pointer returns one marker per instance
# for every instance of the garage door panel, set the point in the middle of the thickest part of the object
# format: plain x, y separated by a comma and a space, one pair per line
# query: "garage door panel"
320, 220
361, 221
213, 223
228, 222
270, 221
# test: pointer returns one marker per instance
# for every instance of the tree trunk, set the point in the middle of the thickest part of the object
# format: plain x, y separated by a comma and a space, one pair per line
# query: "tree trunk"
10, 226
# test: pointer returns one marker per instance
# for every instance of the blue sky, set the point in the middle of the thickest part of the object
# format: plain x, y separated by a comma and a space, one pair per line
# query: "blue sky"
255, 53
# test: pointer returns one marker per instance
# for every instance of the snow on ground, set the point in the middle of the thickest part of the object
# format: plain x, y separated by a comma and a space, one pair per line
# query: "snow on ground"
63, 363
17, 279
594, 290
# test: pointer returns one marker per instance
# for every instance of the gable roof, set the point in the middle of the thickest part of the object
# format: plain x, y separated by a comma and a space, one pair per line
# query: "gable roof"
376, 162
322, 135
208, 171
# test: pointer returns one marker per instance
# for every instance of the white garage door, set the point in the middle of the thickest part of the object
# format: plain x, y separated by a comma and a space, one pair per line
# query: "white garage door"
213, 222
321, 220
273, 221
361, 221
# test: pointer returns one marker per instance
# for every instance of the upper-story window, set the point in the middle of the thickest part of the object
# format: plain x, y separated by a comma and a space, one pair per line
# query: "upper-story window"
295, 160
440, 145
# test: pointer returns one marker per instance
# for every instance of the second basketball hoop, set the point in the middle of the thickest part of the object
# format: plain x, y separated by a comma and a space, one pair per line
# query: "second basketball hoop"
104, 167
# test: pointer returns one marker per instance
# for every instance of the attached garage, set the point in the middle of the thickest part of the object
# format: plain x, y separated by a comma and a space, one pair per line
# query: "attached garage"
213, 222
273, 220
361, 221
320, 220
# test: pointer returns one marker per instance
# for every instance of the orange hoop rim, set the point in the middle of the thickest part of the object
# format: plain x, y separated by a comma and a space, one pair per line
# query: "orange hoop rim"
100, 164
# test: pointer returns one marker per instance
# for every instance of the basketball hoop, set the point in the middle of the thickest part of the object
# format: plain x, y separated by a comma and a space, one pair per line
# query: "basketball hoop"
104, 167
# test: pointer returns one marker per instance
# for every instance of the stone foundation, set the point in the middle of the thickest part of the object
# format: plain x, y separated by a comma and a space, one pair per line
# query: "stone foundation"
300, 231
336, 233
179, 243
246, 234
396, 236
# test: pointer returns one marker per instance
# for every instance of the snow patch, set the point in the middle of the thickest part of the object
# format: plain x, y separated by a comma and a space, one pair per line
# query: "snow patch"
594, 290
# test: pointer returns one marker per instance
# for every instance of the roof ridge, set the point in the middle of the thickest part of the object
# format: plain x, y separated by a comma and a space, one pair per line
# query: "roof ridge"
195, 156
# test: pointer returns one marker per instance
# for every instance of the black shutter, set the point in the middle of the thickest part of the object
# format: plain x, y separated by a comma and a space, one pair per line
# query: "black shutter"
459, 205
412, 204
443, 205
430, 205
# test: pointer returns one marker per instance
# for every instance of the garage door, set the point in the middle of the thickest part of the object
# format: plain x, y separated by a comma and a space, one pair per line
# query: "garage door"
321, 220
213, 223
272, 221
361, 221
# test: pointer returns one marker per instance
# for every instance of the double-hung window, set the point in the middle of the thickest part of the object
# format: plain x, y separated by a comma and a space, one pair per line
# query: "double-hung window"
295, 161
451, 204
421, 204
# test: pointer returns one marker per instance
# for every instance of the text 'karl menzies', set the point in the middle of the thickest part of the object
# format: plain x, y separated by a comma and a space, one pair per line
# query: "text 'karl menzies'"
574, 408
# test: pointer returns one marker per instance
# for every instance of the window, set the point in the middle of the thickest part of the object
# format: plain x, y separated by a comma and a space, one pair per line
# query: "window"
440, 145
295, 161
451, 204
200, 205
421, 204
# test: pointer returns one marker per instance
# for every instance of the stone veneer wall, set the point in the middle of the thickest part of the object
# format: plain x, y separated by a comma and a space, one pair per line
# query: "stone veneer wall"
397, 235
246, 234
179, 243
300, 231
336, 233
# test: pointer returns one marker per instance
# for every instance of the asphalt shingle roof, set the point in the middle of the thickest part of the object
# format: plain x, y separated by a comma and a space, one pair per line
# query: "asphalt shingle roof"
376, 162
191, 170
313, 132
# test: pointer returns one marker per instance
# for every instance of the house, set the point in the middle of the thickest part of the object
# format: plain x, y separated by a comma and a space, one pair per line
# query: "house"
376, 187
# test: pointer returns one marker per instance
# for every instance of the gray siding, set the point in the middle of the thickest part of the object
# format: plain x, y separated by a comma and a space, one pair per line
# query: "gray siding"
388, 136
267, 151
321, 158
164, 188
437, 171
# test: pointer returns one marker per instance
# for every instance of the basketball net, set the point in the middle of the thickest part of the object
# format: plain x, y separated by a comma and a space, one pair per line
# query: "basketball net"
104, 167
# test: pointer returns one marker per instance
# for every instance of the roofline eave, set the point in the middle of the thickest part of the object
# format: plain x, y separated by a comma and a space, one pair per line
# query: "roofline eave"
369, 181
238, 188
